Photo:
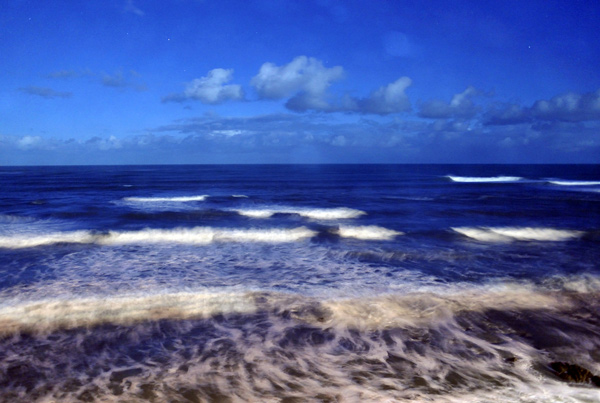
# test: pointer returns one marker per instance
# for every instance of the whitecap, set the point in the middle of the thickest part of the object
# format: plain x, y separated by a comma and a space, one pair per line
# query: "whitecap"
368, 232
50, 314
190, 236
507, 234
165, 199
483, 179
338, 213
574, 183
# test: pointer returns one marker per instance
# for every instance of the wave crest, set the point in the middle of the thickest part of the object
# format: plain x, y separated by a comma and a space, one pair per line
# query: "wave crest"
165, 199
196, 235
507, 234
574, 183
338, 213
368, 232
483, 179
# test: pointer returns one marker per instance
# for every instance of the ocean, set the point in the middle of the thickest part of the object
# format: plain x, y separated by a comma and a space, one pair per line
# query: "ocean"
300, 283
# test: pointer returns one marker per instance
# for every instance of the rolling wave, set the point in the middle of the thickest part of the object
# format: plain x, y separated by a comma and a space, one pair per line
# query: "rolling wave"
259, 346
312, 213
477, 179
574, 183
417, 308
192, 236
368, 232
507, 234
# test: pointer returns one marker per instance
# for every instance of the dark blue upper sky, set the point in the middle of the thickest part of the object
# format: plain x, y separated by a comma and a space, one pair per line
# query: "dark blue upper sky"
274, 81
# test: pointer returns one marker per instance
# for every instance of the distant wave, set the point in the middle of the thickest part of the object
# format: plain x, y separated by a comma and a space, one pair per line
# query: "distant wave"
575, 183
312, 213
507, 234
197, 235
483, 179
166, 199
368, 232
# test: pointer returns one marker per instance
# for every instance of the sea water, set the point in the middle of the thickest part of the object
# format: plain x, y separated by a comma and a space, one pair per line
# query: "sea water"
293, 283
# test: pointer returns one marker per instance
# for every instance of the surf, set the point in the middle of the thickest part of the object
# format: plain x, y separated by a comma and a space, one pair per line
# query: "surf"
337, 213
483, 179
190, 236
508, 234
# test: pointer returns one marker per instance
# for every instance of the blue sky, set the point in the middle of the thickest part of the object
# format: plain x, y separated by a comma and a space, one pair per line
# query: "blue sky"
312, 81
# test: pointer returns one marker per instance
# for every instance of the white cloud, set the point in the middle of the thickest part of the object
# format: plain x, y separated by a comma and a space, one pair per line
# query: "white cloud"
211, 89
29, 142
460, 106
569, 107
387, 99
303, 74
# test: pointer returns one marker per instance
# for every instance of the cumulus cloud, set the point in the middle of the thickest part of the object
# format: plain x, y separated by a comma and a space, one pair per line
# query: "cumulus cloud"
212, 89
387, 99
306, 82
29, 142
509, 114
568, 107
461, 106
285, 138
303, 74
44, 92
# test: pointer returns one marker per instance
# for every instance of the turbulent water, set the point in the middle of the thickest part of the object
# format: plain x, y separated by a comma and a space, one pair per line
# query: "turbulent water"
333, 283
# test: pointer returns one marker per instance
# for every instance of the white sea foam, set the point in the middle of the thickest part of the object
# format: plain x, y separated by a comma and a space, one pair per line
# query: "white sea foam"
507, 234
420, 308
575, 183
256, 213
419, 359
14, 219
31, 240
50, 314
368, 232
312, 213
166, 199
196, 235
477, 179
377, 312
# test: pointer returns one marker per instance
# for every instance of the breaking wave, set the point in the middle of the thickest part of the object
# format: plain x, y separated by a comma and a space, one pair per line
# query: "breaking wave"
418, 308
575, 183
507, 234
312, 213
196, 235
367, 232
477, 179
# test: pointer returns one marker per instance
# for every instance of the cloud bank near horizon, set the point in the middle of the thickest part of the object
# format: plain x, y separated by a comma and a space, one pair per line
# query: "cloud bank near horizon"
471, 125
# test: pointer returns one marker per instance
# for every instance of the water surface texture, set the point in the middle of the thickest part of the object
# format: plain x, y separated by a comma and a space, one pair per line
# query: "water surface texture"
379, 283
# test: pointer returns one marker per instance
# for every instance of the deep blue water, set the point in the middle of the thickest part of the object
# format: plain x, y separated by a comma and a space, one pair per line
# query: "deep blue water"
314, 283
